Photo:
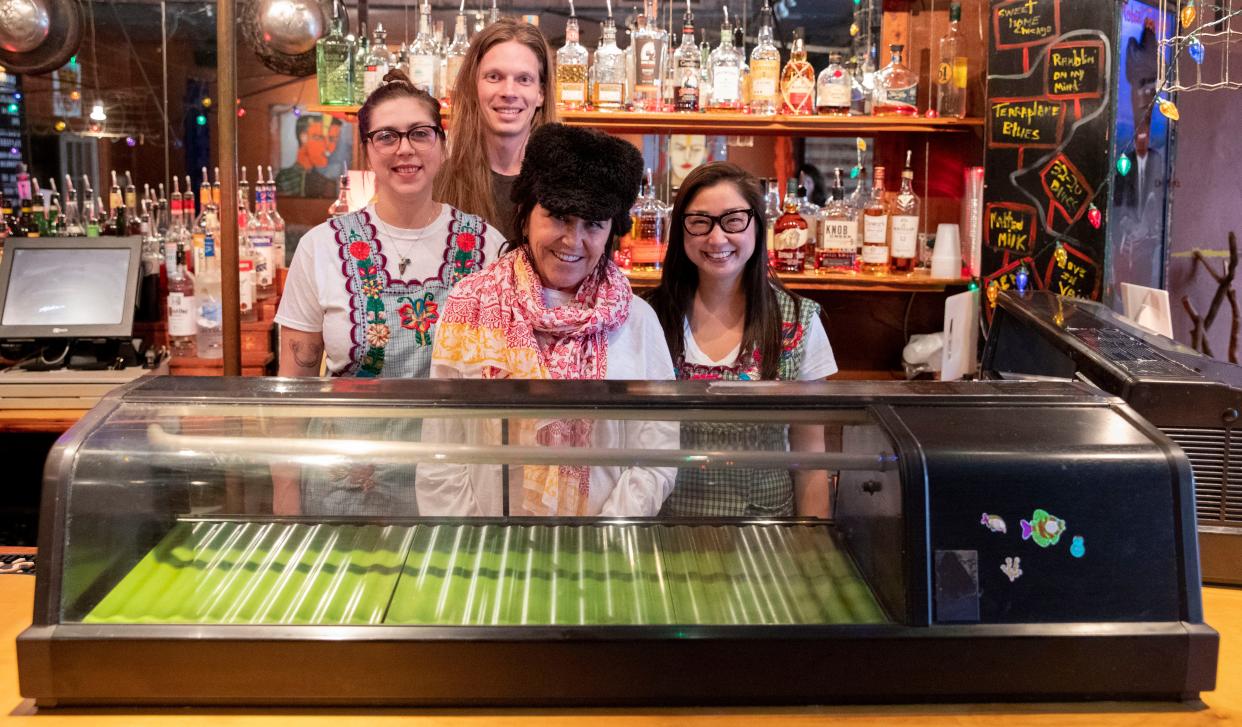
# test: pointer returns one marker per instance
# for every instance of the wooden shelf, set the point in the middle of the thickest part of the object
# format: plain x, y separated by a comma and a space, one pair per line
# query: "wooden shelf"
629, 122
917, 282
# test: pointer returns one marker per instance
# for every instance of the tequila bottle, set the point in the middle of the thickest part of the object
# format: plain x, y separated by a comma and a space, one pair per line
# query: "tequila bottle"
454, 56
609, 91
838, 231
571, 69
649, 51
765, 67
904, 242
798, 81
875, 229
424, 62
833, 89
686, 66
726, 71
334, 63
792, 234
896, 87
379, 61
951, 69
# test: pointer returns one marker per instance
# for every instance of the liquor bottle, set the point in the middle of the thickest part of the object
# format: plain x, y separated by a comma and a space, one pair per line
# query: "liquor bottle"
650, 222
424, 61
765, 67
649, 44
832, 91
178, 233
686, 67
904, 242
571, 68
209, 321
6, 214
380, 60
181, 306
726, 72
278, 222
261, 236
951, 69
632, 22
73, 213
90, 210
132, 219
608, 93
798, 81
174, 207
743, 67
56, 223
341, 206
215, 194
896, 87
116, 224
771, 211
206, 223
455, 55
791, 234
705, 73
494, 14
38, 210
875, 229
862, 88
362, 49
810, 212
838, 231
243, 201
334, 63
152, 256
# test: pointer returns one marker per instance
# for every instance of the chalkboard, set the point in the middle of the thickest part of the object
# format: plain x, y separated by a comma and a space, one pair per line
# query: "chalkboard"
1051, 66
11, 147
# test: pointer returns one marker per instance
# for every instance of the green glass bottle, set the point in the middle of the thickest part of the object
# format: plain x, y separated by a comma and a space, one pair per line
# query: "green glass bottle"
334, 63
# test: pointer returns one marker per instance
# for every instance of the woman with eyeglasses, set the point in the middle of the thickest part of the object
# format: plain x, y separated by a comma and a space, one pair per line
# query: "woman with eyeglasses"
366, 288
727, 316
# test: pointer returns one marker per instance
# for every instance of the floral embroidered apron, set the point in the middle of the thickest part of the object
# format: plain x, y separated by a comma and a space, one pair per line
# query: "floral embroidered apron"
393, 328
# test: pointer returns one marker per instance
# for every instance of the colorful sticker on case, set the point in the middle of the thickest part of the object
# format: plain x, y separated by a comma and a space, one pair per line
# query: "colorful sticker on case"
1012, 568
995, 523
1043, 528
1077, 548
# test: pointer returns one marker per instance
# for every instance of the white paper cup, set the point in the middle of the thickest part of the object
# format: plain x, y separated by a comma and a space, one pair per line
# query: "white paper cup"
947, 255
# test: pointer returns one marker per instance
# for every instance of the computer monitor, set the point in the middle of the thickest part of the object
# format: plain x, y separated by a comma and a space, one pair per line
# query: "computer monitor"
69, 287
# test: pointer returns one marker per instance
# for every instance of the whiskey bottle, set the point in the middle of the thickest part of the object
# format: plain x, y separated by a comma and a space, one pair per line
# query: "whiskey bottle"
571, 69
838, 231
791, 234
424, 62
833, 89
726, 72
649, 44
608, 93
686, 67
334, 63
951, 69
875, 229
765, 67
650, 221
798, 81
896, 87
904, 245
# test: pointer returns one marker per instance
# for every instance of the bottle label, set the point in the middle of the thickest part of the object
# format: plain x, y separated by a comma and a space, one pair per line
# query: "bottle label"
263, 255
246, 281
959, 72
875, 254
897, 96
799, 95
834, 95
572, 92
944, 72
839, 236
372, 78
793, 238
647, 54
905, 241
763, 79
687, 93
609, 92
725, 87
181, 314
422, 72
875, 230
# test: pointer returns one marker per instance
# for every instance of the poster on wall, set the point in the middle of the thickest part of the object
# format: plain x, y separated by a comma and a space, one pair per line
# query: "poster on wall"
310, 151
1048, 118
1137, 233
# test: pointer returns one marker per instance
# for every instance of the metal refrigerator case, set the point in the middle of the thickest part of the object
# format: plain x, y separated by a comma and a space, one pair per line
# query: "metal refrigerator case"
989, 541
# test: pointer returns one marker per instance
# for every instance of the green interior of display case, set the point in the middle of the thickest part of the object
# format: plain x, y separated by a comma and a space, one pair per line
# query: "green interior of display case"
224, 572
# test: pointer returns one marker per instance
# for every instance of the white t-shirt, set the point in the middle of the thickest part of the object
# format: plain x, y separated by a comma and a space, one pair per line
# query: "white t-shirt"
636, 350
817, 359
315, 299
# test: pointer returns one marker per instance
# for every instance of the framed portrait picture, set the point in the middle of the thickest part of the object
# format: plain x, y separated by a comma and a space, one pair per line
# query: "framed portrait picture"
310, 150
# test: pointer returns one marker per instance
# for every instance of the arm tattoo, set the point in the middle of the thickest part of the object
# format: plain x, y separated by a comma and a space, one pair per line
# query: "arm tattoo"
307, 355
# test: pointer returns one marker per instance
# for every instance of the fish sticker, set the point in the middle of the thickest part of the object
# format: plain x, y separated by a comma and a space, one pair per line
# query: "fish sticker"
1043, 528
1077, 548
1012, 568
995, 523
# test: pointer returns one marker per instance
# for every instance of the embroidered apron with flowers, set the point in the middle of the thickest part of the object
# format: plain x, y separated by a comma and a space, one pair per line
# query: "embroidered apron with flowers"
728, 492
393, 328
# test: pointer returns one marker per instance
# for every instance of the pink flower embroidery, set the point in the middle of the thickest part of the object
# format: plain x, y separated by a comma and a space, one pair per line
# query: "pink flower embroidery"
377, 334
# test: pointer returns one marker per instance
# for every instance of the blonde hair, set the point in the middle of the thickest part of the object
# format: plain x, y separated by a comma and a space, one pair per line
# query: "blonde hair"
465, 180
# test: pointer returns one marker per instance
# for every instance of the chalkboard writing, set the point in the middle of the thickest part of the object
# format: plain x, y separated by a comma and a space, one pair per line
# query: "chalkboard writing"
1029, 123
1011, 227
1068, 192
1074, 274
1075, 70
1024, 23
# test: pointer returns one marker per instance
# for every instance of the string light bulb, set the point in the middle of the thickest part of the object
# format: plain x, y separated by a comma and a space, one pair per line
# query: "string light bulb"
1094, 216
131, 142
1061, 255
201, 120
1123, 164
1022, 279
206, 102
1195, 49
853, 29
1168, 108
1188, 14
993, 293
97, 113
60, 125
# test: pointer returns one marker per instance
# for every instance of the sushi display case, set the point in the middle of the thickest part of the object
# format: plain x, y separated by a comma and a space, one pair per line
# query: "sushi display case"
251, 541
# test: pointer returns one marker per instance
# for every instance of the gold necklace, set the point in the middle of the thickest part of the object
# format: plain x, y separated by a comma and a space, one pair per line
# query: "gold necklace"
403, 260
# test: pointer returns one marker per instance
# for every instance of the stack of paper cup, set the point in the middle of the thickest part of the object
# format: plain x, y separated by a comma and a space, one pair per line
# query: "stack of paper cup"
947, 255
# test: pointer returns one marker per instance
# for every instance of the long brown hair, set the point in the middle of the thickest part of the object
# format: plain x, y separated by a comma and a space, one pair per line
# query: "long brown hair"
465, 180
673, 298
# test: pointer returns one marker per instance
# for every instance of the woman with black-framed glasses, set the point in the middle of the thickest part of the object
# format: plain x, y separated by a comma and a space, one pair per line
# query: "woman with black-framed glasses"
727, 316
366, 288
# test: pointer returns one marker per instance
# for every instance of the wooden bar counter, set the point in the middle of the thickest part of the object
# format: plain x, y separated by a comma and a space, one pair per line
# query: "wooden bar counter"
1223, 609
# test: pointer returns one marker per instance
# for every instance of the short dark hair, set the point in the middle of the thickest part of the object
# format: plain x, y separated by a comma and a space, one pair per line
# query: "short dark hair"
396, 85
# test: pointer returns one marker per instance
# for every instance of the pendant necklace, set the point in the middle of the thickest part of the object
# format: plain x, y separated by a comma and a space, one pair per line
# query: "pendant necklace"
403, 260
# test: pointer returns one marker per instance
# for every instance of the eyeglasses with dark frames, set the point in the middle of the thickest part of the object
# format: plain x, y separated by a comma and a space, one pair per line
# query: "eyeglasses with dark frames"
421, 138
732, 222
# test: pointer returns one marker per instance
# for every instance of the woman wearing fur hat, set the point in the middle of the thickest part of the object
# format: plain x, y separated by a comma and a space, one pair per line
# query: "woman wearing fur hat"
555, 306
503, 92
726, 316
365, 288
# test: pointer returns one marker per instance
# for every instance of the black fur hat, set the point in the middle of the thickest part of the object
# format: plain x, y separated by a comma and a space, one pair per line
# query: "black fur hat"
581, 172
